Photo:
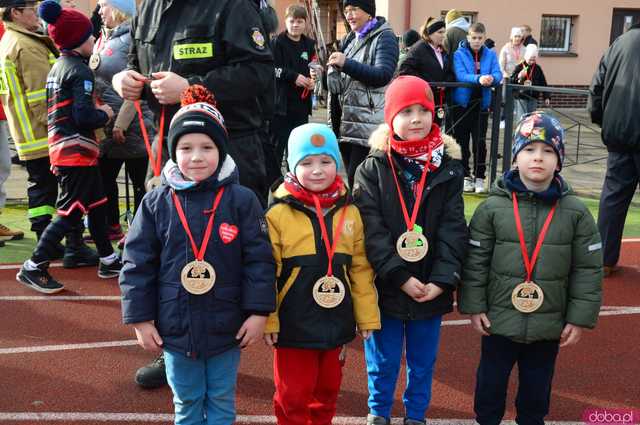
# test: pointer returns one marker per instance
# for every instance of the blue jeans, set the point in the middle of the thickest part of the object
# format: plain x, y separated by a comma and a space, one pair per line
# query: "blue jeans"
204, 390
383, 354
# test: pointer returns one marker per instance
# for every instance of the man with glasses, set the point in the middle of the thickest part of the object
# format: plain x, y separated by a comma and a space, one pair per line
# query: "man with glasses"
26, 56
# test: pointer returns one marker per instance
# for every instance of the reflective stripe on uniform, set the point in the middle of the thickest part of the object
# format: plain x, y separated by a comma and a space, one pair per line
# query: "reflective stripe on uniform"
52, 59
19, 103
36, 95
42, 210
32, 146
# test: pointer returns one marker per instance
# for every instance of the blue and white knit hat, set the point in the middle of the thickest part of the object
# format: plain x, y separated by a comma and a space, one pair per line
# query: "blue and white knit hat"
312, 139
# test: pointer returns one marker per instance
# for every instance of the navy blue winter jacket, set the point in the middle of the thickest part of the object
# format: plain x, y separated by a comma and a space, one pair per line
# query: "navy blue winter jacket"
158, 247
464, 68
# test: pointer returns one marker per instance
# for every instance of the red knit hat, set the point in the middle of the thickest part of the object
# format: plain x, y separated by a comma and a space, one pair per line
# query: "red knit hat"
68, 28
405, 91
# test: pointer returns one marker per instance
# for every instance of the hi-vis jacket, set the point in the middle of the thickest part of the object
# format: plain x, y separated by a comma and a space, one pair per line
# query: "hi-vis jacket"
25, 60
301, 260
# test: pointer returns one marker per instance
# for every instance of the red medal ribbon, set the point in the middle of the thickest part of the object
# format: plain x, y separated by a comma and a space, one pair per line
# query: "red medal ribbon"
156, 163
529, 264
207, 234
423, 178
331, 250
441, 96
530, 73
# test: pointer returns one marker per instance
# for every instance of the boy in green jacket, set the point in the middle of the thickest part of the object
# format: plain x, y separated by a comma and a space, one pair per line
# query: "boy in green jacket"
532, 278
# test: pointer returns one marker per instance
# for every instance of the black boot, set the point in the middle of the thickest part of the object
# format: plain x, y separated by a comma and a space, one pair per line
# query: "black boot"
77, 254
152, 375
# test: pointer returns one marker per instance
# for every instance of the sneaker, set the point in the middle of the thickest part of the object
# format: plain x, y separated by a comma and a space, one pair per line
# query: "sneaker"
152, 375
479, 186
408, 421
78, 254
39, 279
7, 234
502, 125
107, 271
377, 420
468, 185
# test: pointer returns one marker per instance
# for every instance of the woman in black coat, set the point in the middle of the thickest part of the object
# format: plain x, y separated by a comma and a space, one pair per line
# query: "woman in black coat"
428, 60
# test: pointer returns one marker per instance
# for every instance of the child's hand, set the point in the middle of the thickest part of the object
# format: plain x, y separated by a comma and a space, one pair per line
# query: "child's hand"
414, 288
522, 75
485, 80
570, 335
365, 334
148, 336
480, 323
106, 109
251, 330
432, 291
271, 339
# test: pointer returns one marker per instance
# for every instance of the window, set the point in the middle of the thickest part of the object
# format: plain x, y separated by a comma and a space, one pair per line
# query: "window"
556, 33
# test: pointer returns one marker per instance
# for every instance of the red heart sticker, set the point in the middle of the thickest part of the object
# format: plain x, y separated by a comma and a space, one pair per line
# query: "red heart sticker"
228, 232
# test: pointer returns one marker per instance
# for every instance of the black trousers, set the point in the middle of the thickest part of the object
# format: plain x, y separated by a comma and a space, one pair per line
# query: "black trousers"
109, 169
281, 128
42, 191
536, 364
352, 155
620, 183
471, 123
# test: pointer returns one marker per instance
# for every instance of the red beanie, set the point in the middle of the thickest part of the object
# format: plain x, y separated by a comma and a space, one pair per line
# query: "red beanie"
405, 91
68, 28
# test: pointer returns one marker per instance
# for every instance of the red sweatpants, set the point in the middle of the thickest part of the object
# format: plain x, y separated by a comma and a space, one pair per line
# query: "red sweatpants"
307, 385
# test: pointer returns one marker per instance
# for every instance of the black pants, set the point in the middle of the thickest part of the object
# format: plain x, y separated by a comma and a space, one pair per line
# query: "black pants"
42, 192
353, 155
620, 183
109, 169
471, 123
536, 364
281, 128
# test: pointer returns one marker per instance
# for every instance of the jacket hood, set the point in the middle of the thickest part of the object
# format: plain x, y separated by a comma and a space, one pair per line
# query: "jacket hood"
500, 189
379, 141
461, 23
227, 173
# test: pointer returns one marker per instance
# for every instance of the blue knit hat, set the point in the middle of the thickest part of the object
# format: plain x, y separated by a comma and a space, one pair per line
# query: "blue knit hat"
128, 7
312, 139
542, 127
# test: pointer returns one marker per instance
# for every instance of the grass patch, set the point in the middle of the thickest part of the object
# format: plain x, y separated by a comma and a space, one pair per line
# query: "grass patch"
15, 216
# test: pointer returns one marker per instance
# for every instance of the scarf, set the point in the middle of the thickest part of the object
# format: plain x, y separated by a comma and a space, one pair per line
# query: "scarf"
418, 150
513, 183
327, 197
366, 28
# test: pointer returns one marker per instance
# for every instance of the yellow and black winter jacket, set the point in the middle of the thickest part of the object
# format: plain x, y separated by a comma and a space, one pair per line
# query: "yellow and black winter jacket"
301, 260
25, 60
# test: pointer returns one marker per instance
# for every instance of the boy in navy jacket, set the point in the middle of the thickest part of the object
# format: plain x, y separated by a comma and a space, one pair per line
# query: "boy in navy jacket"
197, 280
476, 64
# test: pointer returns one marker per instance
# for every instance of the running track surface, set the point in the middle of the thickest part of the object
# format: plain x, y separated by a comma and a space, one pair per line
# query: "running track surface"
68, 359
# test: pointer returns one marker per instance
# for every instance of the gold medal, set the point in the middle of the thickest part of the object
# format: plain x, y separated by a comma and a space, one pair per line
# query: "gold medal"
94, 61
412, 246
328, 292
527, 82
440, 113
527, 297
198, 277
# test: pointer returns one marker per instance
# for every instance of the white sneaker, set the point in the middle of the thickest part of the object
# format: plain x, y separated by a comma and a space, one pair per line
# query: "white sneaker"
468, 185
502, 124
479, 186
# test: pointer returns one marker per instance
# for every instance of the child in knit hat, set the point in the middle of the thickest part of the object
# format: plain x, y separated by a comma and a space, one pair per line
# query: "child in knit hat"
324, 281
409, 192
532, 278
73, 118
529, 73
197, 280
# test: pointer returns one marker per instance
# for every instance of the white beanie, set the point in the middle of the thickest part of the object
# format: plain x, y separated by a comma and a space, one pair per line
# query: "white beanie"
516, 31
530, 51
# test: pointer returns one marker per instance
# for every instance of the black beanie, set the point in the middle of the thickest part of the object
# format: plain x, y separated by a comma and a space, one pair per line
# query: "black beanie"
368, 6
410, 37
198, 115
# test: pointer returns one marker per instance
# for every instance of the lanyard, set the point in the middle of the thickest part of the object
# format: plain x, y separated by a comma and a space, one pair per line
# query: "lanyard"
529, 264
414, 214
331, 250
530, 72
207, 234
441, 96
156, 163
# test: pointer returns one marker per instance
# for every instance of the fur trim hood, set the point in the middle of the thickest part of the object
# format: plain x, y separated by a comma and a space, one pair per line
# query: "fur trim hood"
379, 140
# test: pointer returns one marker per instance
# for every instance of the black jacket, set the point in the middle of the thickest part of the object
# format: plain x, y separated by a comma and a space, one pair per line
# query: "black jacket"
220, 44
71, 113
291, 59
441, 215
537, 79
614, 98
422, 62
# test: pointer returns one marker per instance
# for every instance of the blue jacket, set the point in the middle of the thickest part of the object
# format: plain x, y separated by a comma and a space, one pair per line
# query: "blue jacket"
464, 68
158, 247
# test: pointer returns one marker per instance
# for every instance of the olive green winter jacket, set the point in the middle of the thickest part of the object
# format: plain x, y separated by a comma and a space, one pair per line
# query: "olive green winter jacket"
568, 269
